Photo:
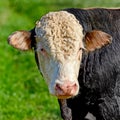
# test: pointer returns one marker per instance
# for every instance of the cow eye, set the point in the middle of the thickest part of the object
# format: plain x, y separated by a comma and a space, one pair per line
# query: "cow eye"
43, 51
39, 48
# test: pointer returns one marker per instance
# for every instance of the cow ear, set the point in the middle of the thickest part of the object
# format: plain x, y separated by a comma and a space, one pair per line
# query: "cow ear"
96, 39
20, 40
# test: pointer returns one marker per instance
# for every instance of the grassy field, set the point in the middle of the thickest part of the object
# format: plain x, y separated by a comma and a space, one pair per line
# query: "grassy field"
23, 92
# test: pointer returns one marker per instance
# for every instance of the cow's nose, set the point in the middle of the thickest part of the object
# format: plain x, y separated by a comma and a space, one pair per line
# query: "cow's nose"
66, 89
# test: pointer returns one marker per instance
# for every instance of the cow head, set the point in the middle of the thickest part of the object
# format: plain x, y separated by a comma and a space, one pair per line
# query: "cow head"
59, 41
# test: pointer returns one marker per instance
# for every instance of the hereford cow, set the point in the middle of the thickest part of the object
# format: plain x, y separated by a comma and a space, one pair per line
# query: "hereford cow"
78, 54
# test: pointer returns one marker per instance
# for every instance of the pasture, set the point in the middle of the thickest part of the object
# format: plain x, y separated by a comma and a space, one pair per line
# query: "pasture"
23, 91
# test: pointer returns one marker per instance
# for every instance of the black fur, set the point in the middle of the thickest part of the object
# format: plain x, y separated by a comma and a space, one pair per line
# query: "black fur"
99, 75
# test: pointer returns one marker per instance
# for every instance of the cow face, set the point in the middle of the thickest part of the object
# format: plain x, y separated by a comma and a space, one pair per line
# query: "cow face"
58, 43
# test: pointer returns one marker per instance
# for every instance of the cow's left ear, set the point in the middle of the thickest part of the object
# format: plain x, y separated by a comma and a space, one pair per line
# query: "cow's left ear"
96, 39
20, 40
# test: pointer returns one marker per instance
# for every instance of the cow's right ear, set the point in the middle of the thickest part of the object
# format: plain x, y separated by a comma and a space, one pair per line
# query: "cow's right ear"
96, 39
20, 40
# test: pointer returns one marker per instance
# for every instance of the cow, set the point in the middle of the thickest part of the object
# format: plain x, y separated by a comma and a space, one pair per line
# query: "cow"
78, 53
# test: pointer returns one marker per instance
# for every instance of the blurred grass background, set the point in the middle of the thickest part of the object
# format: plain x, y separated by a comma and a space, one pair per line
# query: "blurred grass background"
23, 92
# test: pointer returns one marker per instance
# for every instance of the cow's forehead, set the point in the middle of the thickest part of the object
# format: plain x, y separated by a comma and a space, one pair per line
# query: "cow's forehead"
61, 32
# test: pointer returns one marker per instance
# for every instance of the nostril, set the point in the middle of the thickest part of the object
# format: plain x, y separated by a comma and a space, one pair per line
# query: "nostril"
65, 87
57, 87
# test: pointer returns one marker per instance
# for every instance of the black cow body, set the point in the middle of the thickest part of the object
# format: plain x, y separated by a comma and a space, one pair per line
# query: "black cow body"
99, 75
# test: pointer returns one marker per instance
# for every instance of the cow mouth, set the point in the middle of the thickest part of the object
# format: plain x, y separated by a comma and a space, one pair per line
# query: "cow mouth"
64, 96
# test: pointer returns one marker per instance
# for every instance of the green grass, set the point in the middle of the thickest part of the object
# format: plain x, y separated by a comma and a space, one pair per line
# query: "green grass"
23, 92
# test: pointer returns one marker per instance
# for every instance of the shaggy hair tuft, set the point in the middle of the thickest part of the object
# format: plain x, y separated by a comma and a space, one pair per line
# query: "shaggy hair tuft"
60, 32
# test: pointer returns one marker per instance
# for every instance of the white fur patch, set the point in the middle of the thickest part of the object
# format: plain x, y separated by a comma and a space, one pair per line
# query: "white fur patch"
90, 116
61, 32
60, 35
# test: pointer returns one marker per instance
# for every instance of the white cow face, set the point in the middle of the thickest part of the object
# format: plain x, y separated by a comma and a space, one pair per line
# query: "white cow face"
58, 46
59, 39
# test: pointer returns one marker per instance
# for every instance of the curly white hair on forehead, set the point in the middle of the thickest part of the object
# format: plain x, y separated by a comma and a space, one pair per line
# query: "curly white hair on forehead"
61, 32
